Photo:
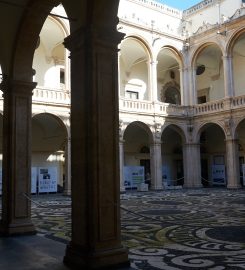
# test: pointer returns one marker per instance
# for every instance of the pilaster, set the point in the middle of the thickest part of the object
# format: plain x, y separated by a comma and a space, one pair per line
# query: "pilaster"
16, 215
228, 76
156, 165
67, 190
232, 164
192, 168
96, 235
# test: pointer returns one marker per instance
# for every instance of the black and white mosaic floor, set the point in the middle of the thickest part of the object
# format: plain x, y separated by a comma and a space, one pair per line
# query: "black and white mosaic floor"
171, 230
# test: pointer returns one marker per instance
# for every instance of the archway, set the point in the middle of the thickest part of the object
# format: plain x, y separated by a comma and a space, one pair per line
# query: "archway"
213, 155
137, 137
134, 71
49, 137
168, 76
240, 136
209, 74
172, 156
94, 103
238, 64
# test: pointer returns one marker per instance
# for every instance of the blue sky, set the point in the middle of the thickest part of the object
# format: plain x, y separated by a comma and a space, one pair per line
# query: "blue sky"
180, 4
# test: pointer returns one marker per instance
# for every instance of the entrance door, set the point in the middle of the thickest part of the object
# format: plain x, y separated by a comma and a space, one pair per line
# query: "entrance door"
204, 172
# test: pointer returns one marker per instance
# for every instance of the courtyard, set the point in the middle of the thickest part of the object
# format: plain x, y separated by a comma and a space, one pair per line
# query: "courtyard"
171, 229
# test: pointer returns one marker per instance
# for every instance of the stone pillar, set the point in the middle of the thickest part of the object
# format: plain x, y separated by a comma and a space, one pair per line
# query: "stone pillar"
156, 165
184, 90
16, 208
153, 80
192, 166
96, 231
228, 76
121, 154
232, 164
67, 190
193, 90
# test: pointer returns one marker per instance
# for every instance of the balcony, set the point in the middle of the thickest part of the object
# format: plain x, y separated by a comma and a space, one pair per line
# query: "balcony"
144, 107
42, 95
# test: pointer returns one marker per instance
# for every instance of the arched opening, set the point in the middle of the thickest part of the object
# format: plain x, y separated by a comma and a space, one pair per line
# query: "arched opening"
172, 157
209, 74
137, 163
213, 155
240, 136
239, 65
134, 73
168, 77
49, 137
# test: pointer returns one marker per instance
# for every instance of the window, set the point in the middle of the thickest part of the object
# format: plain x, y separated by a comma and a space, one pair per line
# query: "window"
62, 76
132, 95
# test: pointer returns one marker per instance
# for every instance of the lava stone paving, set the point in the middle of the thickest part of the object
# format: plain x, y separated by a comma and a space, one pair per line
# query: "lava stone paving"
172, 229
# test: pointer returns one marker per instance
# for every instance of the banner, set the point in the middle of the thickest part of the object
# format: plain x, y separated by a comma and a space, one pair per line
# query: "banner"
133, 176
47, 179
218, 175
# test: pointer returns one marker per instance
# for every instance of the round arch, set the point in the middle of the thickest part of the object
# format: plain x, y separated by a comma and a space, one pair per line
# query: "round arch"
233, 39
178, 129
204, 126
141, 125
202, 47
141, 40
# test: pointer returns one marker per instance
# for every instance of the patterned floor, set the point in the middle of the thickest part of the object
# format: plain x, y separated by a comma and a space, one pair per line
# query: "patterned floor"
171, 230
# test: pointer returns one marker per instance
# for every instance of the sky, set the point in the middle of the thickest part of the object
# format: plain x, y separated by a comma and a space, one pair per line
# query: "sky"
179, 4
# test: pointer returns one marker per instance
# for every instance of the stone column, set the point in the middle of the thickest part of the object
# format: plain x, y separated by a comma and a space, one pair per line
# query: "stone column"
67, 190
192, 165
96, 231
228, 76
232, 164
193, 90
121, 154
184, 90
156, 165
16, 208
153, 80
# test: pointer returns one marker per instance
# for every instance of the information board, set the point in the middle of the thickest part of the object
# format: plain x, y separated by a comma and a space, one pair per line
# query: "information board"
133, 176
47, 179
218, 175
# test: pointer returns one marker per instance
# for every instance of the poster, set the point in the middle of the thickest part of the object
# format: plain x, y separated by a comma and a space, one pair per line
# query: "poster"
218, 175
133, 176
34, 180
47, 179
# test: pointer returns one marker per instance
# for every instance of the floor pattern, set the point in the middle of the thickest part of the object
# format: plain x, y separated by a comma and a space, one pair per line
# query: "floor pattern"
171, 230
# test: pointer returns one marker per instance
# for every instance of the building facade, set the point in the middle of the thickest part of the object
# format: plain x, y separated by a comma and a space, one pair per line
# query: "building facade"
182, 93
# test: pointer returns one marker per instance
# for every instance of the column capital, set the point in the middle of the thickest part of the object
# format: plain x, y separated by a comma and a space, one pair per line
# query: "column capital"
86, 36
20, 87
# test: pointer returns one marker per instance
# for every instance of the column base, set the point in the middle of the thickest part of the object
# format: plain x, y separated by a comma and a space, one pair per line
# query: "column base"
17, 229
122, 190
67, 192
107, 259
234, 187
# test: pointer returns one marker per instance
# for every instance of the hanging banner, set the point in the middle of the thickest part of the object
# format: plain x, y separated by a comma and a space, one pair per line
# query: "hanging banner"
218, 175
133, 176
34, 180
47, 179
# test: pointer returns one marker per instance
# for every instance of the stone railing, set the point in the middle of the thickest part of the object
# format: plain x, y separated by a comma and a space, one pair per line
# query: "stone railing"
166, 109
150, 108
54, 96
209, 107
